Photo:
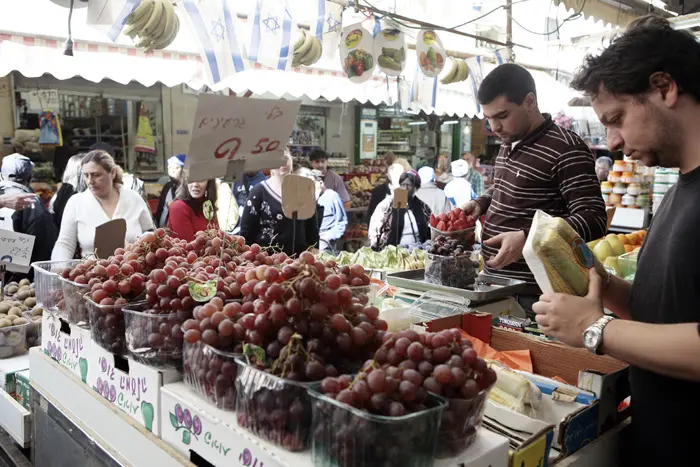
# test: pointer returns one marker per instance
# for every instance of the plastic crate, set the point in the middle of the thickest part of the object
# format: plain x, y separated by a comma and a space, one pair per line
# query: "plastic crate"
73, 307
47, 284
154, 339
107, 326
13, 340
211, 373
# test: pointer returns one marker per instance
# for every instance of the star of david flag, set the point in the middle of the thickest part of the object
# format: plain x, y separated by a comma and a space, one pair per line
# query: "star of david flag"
271, 34
215, 26
476, 76
332, 28
109, 16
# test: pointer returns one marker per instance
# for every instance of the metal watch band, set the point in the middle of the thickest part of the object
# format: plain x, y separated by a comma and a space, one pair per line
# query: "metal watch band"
600, 325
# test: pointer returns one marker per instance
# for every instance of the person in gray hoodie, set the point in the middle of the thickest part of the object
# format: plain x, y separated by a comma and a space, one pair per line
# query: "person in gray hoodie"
431, 194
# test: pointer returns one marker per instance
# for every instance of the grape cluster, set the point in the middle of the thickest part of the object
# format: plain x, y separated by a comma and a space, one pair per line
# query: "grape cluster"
405, 369
452, 246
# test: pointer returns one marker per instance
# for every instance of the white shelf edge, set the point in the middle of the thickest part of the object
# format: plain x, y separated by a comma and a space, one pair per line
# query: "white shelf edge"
15, 419
124, 440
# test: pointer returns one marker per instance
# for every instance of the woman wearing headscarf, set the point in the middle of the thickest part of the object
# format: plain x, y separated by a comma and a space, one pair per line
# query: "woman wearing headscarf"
402, 226
431, 194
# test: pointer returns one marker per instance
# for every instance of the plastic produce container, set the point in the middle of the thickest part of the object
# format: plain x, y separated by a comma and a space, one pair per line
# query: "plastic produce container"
154, 339
47, 283
450, 271
13, 340
73, 307
366, 294
627, 264
461, 234
275, 409
34, 329
211, 373
460, 422
344, 436
434, 305
107, 326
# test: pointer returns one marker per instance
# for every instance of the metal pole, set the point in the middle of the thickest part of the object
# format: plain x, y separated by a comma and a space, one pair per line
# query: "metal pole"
509, 29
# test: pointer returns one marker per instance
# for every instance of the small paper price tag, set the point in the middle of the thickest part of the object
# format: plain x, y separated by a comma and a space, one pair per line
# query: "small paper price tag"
298, 196
109, 236
208, 210
400, 198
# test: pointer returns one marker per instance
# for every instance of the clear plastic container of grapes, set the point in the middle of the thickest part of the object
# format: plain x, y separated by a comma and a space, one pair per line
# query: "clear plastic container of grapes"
434, 305
275, 409
34, 329
211, 373
13, 340
450, 271
47, 284
73, 307
366, 294
346, 436
154, 339
107, 326
460, 422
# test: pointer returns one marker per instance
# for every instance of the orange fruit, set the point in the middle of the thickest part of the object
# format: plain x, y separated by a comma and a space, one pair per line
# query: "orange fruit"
630, 248
623, 239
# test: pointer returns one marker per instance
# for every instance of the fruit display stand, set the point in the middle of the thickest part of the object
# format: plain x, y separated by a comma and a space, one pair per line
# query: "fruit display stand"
14, 419
219, 440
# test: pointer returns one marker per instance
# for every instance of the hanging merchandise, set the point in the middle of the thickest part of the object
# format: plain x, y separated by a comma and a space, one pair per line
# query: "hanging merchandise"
220, 47
50, 129
424, 90
307, 49
332, 28
271, 34
155, 23
458, 72
431, 53
356, 49
390, 50
144, 134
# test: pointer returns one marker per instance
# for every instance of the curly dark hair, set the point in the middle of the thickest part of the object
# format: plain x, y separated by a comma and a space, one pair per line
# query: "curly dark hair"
649, 45
510, 80
210, 194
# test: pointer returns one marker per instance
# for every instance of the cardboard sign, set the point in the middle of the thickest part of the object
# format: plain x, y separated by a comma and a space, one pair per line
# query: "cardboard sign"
16, 250
298, 196
400, 198
66, 343
228, 129
109, 236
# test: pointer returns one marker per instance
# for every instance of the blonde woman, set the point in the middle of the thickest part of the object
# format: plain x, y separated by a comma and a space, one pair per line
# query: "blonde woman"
105, 199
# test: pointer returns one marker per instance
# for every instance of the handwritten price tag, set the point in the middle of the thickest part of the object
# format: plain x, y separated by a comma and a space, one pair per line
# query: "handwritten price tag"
228, 130
16, 250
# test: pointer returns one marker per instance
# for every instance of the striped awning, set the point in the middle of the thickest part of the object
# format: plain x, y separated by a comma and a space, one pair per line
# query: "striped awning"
612, 12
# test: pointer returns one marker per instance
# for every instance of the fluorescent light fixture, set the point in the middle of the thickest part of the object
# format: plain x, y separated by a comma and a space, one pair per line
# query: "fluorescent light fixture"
417, 123
686, 21
450, 122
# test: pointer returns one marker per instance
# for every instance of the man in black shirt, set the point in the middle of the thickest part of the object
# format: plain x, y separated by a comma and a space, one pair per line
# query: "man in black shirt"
645, 88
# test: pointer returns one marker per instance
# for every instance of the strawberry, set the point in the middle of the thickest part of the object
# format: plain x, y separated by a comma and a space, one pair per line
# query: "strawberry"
460, 224
441, 226
433, 220
442, 217
452, 228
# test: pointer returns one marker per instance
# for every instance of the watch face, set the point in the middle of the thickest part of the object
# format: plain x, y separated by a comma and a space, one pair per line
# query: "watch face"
591, 338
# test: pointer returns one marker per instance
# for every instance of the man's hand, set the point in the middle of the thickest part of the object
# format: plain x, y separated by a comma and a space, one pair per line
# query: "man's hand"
511, 248
566, 317
17, 202
472, 210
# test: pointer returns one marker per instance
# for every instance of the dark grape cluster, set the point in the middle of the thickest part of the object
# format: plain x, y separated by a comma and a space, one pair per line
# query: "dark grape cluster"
408, 367
452, 246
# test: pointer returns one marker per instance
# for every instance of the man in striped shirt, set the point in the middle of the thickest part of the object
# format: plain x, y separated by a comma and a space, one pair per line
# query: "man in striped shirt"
539, 166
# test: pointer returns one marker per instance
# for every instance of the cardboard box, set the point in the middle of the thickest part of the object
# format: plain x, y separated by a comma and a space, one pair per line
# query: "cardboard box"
67, 344
129, 385
22, 391
488, 450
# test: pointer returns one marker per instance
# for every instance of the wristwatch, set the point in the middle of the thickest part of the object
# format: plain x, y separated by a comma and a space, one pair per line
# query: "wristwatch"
593, 335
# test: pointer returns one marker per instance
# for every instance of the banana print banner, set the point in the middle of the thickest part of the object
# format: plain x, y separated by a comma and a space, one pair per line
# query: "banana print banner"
271, 34
214, 24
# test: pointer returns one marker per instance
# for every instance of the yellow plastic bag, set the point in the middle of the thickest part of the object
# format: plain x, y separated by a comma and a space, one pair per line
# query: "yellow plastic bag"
558, 257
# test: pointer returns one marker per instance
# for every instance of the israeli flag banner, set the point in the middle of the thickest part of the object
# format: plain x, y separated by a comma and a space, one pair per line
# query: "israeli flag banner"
499, 57
109, 16
214, 24
332, 28
476, 76
271, 34
424, 90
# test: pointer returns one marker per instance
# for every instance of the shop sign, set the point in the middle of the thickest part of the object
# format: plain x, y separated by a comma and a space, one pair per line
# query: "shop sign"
234, 134
66, 344
43, 99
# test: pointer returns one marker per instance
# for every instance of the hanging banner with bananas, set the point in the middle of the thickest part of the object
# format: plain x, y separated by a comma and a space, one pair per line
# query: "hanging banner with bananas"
430, 52
390, 50
110, 16
459, 71
153, 25
308, 45
271, 34
215, 27
356, 48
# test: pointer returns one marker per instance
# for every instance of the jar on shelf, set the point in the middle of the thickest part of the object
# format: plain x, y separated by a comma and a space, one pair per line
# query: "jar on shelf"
620, 188
614, 177
606, 187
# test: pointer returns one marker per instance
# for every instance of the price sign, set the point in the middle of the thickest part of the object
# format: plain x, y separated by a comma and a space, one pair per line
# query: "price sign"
400, 198
228, 130
43, 99
298, 196
16, 250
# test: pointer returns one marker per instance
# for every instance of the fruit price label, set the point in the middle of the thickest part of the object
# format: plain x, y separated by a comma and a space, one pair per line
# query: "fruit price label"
16, 250
233, 134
